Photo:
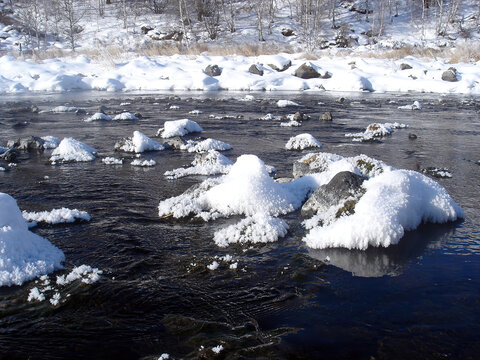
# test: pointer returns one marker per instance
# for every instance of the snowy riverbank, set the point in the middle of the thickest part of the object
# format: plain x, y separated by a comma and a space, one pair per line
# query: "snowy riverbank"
181, 72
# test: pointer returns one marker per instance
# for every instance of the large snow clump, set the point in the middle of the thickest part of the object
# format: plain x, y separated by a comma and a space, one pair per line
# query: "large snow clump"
140, 143
302, 141
23, 254
73, 150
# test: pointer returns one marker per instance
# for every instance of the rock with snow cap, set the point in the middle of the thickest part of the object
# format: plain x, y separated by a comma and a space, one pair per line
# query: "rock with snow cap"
342, 186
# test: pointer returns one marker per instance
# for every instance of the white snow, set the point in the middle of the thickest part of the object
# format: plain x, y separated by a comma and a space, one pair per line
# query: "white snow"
415, 106
56, 216
195, 112
212, 163
35, 294
268, 117
125, 116
259, 228
291, 123
164, 356
112, 161
140, 143
98, 116
72, 150
179, 128
205, 145
143, 163
23, 254
51, 142
286, 103
62, 109
55, 300
213, 266
302, 141
185, 72
217, 349
376, 130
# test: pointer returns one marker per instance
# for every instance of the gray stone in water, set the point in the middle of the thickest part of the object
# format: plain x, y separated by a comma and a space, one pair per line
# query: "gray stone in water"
10, 155
326, 116
300, 169
299, 116
405, 66
213, 70
450, 75
80, 112
342, 186
32, 143
412, 136
254, 69
102, 109
306, 71
175, 142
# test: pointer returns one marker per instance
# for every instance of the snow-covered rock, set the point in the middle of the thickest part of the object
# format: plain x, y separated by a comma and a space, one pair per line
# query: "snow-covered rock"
112, 161
286, 103
72, 150
138, 143
125, 116
50, 142
209, 163
143, 163
23, 254
302, 141
99, 116
205, 145
179, 128
375, 131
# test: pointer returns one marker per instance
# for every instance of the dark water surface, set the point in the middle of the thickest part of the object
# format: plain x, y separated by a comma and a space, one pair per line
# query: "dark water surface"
419, 299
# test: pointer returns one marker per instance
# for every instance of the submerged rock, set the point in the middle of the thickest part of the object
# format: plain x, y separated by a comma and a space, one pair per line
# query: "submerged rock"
10, 155
327, 116
31, 143
340, 188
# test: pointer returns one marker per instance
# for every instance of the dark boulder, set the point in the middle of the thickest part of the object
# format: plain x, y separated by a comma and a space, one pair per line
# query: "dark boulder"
287, 32
405, 67
306, 71
10, 155
213, 70
254, 69
340, 188
450, 75
327, 116
285, 66
31, 143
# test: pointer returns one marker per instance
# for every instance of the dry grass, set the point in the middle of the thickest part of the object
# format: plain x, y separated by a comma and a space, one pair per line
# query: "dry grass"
109, 55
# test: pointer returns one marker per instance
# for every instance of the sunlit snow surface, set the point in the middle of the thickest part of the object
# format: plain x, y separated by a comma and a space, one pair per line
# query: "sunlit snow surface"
23, 254
179, 128
56, 216
187, 73
394, 201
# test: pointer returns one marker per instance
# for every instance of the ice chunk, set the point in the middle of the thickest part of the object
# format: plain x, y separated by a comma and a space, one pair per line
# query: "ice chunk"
259, 228
85, 273
99, 116
125, 116
23, 254
205, 145
213, 266
179, 128
35, 294
376, 130
62, 109
73, 150
144, 163
112, 161
210, 163
302, 141
415, 106
286, 103
56, 216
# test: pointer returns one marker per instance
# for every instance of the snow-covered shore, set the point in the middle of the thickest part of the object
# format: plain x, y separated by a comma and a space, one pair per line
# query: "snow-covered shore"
181, 72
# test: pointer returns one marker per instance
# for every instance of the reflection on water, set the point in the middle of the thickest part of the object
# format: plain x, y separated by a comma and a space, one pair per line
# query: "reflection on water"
380, 261
283, 301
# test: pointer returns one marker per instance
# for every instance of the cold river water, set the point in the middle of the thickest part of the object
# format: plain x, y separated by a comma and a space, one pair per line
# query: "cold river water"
419, 299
